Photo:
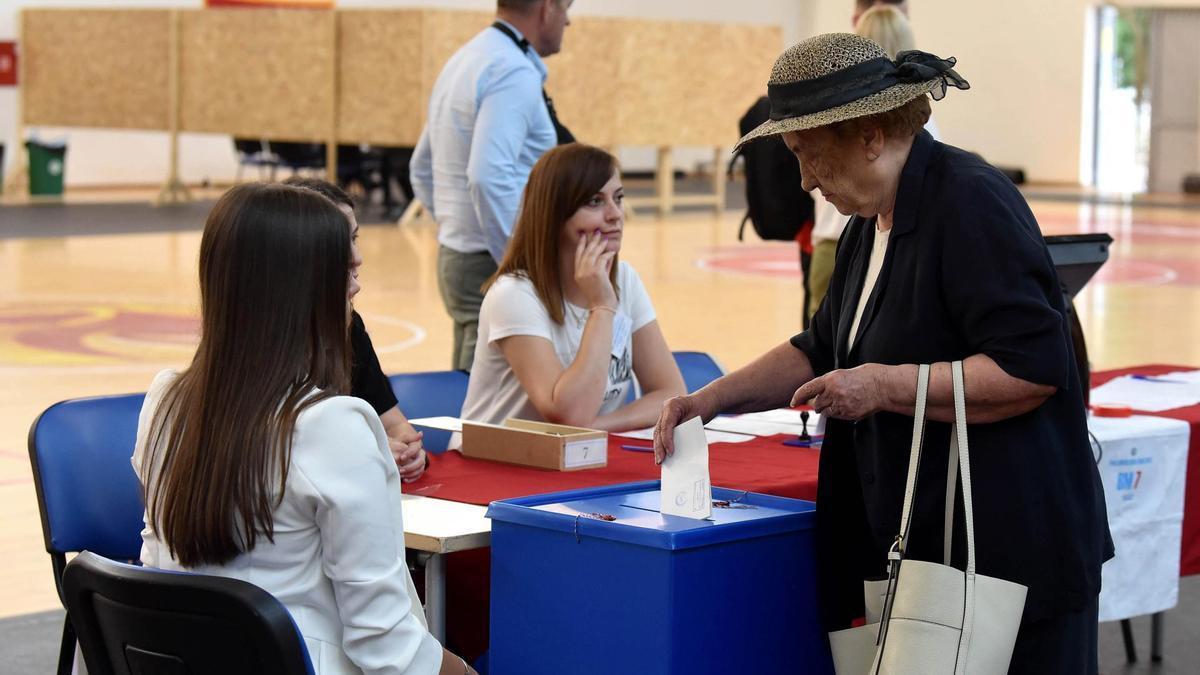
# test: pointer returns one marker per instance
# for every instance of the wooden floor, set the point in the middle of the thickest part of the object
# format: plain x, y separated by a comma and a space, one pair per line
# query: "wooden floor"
90, 315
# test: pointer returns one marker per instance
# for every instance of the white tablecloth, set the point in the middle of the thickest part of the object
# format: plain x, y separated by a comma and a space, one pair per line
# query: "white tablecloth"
1142, 463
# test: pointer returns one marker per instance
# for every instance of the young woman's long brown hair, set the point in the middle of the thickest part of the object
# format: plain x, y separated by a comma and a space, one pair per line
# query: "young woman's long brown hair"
274, 266
563, 180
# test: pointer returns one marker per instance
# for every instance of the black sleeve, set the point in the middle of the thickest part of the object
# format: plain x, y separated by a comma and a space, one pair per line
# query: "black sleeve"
818, 342
367, 380
999, 283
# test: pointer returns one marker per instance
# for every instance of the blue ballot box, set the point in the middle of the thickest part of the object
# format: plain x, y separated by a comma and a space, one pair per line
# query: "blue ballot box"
598, 581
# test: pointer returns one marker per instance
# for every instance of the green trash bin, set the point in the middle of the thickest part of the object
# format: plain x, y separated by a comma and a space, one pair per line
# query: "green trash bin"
46, 164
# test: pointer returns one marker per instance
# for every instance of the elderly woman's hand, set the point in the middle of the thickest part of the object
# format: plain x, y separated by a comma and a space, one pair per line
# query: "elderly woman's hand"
675, 411
846, 394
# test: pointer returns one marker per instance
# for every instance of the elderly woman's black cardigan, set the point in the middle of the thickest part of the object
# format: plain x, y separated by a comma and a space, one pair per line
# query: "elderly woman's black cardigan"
966, 272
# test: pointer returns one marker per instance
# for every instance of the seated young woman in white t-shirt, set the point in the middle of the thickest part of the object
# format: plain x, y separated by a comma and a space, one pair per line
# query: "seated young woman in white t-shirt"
564, 326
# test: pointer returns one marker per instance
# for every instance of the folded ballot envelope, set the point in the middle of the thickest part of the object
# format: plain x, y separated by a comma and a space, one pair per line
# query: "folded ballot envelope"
686, 488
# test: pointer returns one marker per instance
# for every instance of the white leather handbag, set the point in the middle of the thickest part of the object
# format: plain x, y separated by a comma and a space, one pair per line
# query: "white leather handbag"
926, 618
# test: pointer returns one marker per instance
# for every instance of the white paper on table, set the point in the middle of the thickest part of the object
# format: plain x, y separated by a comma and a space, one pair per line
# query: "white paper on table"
756, 427
686, 490
785, 416
1152, 394
647, 434
444, 423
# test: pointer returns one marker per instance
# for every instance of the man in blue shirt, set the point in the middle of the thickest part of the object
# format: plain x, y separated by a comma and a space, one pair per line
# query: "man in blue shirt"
489, 122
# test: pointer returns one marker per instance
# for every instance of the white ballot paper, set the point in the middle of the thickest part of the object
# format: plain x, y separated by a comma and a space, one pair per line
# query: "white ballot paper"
1152, 393
686, 490
444, 423
647, 434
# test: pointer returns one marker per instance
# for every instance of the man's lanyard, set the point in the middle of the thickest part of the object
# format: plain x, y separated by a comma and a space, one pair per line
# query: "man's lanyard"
562, 133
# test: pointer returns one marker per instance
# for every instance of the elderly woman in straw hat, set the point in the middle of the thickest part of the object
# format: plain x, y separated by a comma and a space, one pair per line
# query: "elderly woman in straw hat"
942, 260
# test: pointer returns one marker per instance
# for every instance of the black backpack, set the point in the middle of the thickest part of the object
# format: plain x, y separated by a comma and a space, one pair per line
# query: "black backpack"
777, 206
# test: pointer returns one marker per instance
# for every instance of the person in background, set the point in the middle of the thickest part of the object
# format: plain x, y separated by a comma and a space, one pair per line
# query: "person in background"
885, 22
565, 325
367, 380
863, 6
253, 463
489, 121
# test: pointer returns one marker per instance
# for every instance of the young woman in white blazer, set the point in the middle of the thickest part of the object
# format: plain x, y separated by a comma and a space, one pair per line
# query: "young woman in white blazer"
253, 463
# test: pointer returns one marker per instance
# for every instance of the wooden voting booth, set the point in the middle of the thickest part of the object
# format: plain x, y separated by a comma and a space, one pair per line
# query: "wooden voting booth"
365, 76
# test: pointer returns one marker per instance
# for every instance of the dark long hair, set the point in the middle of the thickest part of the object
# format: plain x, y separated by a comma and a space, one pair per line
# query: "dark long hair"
274, 266
563, 180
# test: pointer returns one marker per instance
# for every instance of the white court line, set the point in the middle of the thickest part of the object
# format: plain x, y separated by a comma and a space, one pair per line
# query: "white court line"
418, 333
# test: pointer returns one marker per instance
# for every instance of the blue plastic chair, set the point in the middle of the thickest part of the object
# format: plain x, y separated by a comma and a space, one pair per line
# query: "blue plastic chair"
698, 368
88, 494
133, 620
431, 394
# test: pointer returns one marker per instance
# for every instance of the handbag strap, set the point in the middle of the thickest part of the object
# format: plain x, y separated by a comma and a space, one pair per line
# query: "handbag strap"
959, 442
914, 460
958, 462
951, 483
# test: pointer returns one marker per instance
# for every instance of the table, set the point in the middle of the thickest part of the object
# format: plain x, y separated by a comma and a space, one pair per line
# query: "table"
1189, 561
762, 464
435, 527
1142, 461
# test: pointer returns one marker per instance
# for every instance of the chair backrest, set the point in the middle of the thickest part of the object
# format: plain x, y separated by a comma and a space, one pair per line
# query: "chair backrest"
87, 492
298, 155
698, 368
248, 146
431, 394
132, 620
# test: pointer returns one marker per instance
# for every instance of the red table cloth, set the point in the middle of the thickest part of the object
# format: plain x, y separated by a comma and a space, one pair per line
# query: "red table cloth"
763, 465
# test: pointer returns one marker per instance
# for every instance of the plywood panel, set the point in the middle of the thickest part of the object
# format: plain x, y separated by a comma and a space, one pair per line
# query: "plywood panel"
585, 79
95, 68
688, 83
259, 73
380, 78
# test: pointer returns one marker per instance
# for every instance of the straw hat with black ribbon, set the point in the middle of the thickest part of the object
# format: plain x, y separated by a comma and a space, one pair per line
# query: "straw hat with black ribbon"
840, 76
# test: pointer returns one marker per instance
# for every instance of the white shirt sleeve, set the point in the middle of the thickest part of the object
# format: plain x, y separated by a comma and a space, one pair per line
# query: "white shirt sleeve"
149, 553
346, 474
512, 307
634, 297
420, 170
506, 113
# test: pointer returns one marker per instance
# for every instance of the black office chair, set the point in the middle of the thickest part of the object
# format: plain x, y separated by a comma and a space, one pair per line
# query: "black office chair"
298, 156
134, 621
253, 152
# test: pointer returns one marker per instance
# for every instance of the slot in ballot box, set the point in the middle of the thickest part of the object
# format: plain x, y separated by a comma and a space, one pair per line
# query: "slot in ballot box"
597, 581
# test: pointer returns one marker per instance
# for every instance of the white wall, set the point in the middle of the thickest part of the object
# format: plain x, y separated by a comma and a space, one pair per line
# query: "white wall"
106, 157
1175, 107
1025, 62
